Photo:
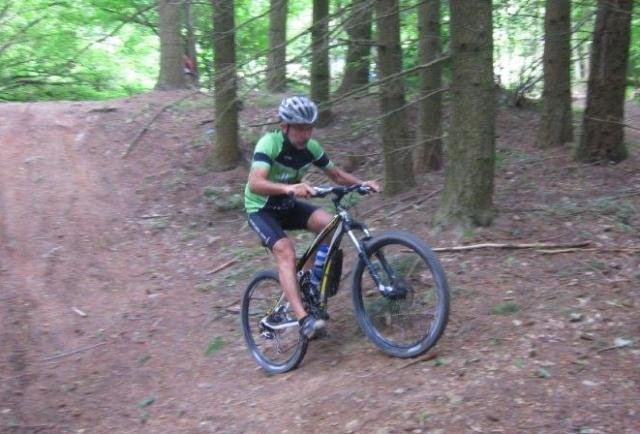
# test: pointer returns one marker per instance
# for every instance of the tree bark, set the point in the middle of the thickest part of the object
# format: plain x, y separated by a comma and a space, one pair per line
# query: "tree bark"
556, 120
225, 153
398, 173
467, 198
277, 57
603, 133
171, 75
357, 64
428, 155
320, 59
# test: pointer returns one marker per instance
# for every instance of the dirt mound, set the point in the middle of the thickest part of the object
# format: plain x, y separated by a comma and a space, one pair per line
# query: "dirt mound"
121, 278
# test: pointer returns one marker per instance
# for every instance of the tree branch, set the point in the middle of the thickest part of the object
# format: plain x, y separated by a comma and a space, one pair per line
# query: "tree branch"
511, 246
611, 121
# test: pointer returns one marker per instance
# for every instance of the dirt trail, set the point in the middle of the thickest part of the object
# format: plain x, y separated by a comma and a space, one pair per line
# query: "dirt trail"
126, 241
60, 213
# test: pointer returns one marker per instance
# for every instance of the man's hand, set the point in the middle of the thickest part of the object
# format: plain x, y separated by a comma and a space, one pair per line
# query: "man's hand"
372, 185
302, 190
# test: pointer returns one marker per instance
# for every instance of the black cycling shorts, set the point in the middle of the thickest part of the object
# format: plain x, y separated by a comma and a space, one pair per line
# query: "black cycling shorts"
270, 224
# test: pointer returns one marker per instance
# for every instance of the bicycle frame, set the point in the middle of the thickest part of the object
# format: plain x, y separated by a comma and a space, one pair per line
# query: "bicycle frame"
341, 224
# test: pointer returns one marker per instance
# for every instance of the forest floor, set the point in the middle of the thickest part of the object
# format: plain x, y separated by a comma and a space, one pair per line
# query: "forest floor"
116, 315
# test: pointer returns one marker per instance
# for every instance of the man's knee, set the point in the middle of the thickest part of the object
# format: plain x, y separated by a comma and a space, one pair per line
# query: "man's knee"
285, 251
318, 220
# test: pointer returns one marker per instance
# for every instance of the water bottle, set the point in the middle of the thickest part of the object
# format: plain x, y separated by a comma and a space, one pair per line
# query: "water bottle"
318, 265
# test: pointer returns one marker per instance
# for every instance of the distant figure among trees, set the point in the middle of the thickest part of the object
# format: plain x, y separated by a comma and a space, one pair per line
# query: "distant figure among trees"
189, 69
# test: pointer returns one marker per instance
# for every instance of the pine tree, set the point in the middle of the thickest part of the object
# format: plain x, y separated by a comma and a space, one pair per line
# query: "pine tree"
171, 50
398, 172
277, 56
556, 121
467, 198
225, 153
603, 134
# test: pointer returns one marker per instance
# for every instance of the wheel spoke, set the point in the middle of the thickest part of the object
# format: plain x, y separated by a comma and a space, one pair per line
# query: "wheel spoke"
403, 314
276, 350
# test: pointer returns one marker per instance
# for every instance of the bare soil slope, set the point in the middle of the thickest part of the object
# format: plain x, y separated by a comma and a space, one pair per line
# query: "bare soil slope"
121, 278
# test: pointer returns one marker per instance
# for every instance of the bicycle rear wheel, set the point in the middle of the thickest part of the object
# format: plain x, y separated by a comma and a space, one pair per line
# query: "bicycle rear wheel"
409, 315
276, 350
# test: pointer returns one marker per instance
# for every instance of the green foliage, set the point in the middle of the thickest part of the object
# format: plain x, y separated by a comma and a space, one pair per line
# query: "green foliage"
500, 158
96, 49
143, 403
214, 345
506, 308
188, 234
634, 52
143, 360
206, 286
439, 361
494, 342
623, 211
159, 224
223, 199
542, 373
424, 417
73, 50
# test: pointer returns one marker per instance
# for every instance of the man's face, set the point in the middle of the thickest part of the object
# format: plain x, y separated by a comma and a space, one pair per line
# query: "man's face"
299, 135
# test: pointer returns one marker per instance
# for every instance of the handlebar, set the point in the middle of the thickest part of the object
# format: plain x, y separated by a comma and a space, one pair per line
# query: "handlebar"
340, 191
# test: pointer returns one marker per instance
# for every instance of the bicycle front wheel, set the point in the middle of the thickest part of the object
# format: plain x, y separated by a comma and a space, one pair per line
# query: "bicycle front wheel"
408, 313
278, 348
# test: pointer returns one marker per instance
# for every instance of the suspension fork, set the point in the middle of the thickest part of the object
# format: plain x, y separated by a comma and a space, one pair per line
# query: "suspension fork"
373, 272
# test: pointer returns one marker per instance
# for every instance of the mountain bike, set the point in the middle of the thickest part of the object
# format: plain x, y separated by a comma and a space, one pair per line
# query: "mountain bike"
399, 288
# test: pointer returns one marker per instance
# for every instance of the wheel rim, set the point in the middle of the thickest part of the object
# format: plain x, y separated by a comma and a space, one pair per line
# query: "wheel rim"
406, 315
273, 347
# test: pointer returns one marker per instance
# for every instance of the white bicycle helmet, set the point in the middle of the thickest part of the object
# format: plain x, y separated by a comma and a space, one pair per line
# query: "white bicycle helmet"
298, 110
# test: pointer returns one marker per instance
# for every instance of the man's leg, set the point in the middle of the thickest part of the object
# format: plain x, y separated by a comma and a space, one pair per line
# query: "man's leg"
283, 248
285, 254
272, 236
318, 220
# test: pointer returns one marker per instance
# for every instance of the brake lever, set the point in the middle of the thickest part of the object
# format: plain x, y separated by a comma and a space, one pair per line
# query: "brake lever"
365, 189
321, 191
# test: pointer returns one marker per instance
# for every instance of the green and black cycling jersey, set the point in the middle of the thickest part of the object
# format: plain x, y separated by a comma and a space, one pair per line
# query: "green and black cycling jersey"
286, 165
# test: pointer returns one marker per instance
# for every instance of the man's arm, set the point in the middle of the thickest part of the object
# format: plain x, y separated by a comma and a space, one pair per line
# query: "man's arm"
341, 177
260, 184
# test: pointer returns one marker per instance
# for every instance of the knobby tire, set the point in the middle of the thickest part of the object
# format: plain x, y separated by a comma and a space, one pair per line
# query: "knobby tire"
425, 297
252, 312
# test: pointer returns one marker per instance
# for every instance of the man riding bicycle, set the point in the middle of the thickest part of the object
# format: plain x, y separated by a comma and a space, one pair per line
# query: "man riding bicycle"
280, 160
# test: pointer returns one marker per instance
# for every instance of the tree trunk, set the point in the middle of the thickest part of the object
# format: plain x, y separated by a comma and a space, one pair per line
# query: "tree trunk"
429, 144
191, 42
468, 186
225, 153
556, 121
358, 27
398, 173
603, 134
171, 75
277, 57
320, 59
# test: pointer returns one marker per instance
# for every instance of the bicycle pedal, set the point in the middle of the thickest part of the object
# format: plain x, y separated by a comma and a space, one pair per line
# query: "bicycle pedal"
268, 335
